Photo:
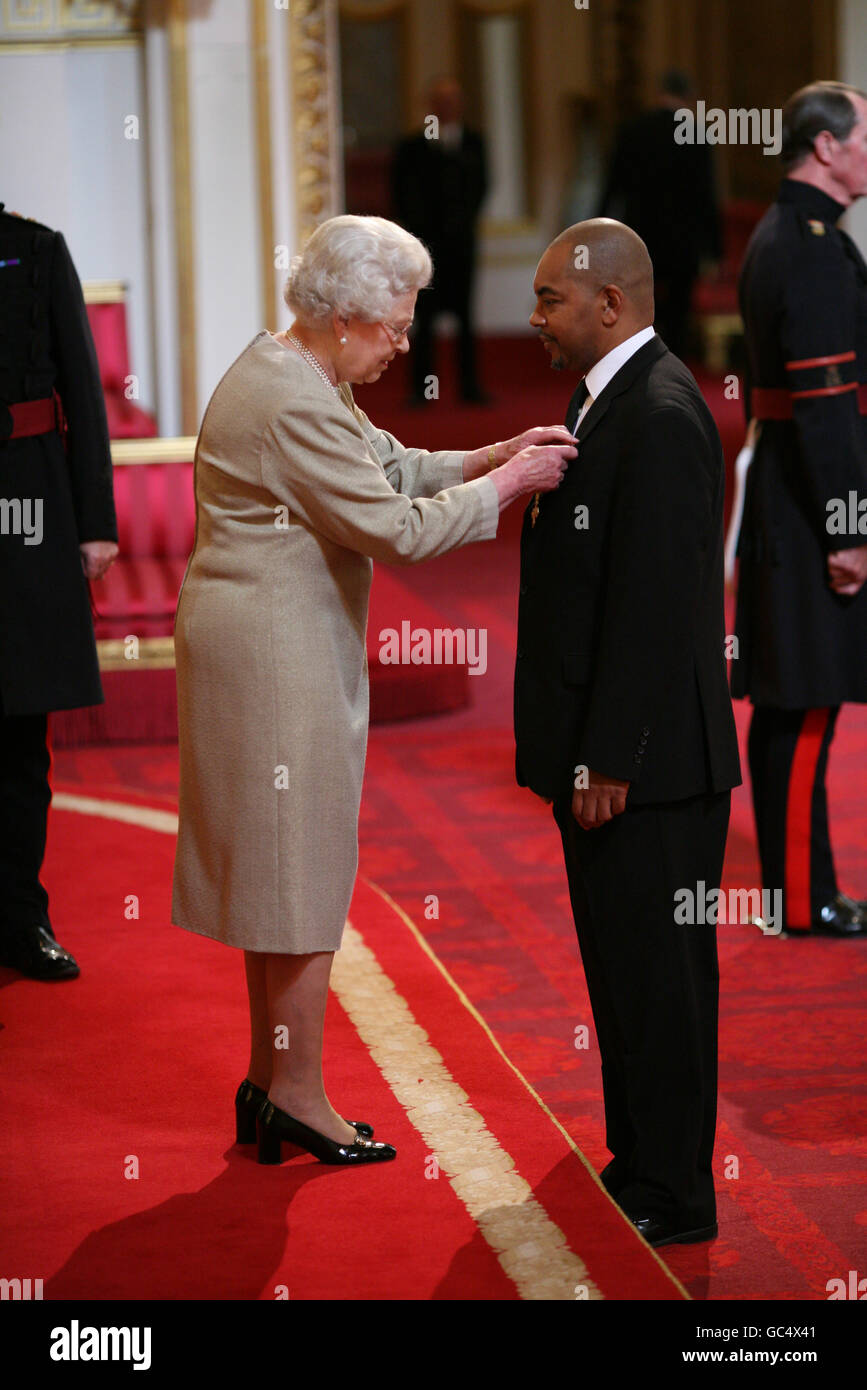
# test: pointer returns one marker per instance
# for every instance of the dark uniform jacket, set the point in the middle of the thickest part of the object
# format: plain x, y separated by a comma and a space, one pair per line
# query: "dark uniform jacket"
47, 650
621, 637
803, 297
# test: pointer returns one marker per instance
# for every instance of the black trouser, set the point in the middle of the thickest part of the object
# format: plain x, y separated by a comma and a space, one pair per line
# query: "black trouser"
452, 291
654, 989
24, 799
788, 755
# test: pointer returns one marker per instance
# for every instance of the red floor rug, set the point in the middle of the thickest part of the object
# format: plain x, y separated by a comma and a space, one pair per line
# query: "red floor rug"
441, 819
126, 1165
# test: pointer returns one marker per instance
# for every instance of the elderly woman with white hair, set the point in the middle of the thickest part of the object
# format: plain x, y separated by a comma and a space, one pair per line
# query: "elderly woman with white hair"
296, 493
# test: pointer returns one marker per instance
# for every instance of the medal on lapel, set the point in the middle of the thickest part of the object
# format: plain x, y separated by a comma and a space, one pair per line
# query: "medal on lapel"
534, 510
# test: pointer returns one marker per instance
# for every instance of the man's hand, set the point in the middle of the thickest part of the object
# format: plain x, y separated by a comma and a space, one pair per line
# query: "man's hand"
847, 570
96, 556
601, 801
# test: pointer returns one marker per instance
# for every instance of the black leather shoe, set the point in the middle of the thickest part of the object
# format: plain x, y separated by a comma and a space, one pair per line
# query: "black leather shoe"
841, 917
274, 1127
657, 1232
249, 1100
34, 951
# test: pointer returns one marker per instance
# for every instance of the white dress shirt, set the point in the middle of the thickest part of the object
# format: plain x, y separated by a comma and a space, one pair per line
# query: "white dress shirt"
608, 366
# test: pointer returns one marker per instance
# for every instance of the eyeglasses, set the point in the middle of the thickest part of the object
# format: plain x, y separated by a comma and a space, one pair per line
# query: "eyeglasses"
397, 334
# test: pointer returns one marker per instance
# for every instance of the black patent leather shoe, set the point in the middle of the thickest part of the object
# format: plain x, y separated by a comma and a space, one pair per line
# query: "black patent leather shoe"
248, 1101
34, 951
658, 1232
275, 1127
842, 916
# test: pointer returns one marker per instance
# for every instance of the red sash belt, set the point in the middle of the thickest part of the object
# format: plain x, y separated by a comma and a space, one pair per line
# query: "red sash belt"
31, 417
776, 403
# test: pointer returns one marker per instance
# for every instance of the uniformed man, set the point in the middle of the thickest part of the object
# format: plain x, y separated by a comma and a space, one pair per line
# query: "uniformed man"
802, 605
57, 531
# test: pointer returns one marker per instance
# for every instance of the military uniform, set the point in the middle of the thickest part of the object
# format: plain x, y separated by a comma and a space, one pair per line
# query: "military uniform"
802, 649
55, 466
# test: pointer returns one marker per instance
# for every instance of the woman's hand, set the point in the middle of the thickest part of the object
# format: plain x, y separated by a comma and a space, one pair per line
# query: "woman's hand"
481, 461
537, 468
540, 434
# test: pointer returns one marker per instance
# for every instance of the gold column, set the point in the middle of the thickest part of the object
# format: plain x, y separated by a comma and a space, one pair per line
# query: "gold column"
183, 211
311, 31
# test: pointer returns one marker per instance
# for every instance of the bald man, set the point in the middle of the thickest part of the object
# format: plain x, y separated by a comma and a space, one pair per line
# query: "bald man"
623, 719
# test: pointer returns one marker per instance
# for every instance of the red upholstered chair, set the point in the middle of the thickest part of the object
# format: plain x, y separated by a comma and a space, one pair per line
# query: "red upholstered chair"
156, 522
155, 504
106, 312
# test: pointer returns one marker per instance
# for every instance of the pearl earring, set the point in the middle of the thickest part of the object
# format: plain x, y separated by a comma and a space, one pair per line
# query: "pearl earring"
343, 340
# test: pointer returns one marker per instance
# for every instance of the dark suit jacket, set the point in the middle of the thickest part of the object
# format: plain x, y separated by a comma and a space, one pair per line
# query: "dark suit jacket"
620, 663
666, 192
438, 193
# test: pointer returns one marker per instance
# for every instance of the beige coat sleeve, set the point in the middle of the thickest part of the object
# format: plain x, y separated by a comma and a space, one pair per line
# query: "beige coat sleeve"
414, 472
316, 460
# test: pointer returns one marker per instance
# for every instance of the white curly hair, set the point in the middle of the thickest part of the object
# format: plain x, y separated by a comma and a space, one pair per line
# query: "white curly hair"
356, 266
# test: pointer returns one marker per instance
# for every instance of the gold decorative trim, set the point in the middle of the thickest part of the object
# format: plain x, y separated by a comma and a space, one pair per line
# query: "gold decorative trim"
179, 448
154, 654
183, 211
518, 226
104, 291
29, 46
495, 7
371, 9
311, 41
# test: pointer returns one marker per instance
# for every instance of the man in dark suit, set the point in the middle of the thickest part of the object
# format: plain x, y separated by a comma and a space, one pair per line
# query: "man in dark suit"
623, 718
666, 192
56, 466
439, 184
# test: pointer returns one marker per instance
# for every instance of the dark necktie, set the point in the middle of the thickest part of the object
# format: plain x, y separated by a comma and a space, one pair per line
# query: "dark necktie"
576, 405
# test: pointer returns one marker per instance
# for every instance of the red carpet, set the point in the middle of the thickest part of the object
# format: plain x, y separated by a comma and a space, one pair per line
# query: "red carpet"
142, 1054
127, 1168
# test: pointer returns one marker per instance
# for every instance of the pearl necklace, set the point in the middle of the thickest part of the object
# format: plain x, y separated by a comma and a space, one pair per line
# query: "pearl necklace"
313, 361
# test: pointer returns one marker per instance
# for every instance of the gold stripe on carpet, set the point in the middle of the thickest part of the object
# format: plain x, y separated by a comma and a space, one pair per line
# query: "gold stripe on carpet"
531, 1249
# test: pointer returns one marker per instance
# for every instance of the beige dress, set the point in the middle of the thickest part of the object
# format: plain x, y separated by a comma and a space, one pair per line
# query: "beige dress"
295, 492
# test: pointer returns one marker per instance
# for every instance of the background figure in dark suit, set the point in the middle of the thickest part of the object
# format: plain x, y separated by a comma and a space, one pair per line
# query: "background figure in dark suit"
622, 713
666, 193
47, 649
802, 602
439, 184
